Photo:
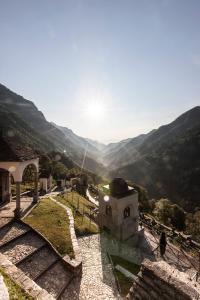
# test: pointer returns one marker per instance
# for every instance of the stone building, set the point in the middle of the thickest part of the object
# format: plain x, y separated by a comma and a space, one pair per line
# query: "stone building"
118, 209
14, 159
61, 182
82, 184
45, 181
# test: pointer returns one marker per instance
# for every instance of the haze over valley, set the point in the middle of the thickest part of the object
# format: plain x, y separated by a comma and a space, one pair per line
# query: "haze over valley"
165, 160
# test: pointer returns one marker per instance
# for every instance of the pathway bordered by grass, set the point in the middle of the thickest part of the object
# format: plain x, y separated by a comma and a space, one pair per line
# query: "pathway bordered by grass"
51, 220
79, 205
14, 290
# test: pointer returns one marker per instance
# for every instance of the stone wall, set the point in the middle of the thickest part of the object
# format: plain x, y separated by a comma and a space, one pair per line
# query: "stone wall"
75, 264
159, 280
20, 278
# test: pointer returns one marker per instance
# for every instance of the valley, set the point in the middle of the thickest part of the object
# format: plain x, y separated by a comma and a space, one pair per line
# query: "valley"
165, 161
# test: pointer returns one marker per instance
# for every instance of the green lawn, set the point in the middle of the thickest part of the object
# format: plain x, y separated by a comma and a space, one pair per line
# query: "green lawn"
51, 220
77, 201
124, 282
14, 290
78, 205
105, 190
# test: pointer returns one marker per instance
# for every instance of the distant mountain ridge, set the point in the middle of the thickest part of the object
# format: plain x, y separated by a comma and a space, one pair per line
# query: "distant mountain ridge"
90, 146
20, 119
125, 153
166, 160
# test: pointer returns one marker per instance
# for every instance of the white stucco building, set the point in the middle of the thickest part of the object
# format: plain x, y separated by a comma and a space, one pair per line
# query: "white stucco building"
45, 180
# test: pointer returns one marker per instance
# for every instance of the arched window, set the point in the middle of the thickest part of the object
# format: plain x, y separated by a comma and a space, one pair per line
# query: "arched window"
127, 212
108, 210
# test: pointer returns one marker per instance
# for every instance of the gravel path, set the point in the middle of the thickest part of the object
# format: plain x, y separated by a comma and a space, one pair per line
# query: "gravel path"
54, 279
38, 262
21, 247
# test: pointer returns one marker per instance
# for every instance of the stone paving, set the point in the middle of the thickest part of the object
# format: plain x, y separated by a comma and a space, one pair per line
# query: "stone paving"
21, 247
97, 282
7, 211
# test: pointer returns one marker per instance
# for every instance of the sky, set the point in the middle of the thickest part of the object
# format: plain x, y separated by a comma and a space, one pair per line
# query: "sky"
107, 69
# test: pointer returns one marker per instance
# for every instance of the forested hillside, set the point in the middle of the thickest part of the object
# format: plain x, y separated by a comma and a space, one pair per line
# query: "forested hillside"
170, 170
21, 120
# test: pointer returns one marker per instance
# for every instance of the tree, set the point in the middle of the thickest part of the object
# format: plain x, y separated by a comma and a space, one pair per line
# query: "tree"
59, 170
178, 217
143, 198
45, 162
193, 225
162, 211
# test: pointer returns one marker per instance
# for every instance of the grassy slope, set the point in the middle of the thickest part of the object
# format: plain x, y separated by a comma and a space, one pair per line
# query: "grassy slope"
51, 220
124, 282
14, 290
78, 205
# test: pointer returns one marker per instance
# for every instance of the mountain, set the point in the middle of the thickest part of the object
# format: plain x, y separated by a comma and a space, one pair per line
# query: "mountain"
20, 119
123, 152
131, 150
92, 148
167, 161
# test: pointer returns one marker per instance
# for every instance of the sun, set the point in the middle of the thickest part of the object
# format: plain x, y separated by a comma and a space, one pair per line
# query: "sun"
95, 110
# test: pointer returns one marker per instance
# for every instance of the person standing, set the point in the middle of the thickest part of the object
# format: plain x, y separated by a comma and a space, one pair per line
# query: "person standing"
162, 243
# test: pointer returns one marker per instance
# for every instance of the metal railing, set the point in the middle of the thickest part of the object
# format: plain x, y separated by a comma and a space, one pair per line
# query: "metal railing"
178, 253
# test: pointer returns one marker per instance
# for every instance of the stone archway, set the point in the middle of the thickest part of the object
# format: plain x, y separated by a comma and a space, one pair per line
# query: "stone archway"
16, 169
23, 168
30, 175
4, 186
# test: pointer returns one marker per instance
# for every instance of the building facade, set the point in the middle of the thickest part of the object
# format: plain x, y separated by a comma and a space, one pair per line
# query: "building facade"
14, 159
118, 209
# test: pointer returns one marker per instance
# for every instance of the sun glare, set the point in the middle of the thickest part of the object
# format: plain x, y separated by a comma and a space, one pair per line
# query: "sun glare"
95, 110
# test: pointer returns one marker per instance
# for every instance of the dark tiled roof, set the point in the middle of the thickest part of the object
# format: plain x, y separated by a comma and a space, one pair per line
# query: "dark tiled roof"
118, 187
10, 150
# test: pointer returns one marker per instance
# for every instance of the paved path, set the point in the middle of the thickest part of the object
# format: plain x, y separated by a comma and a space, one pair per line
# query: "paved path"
97, 282
91, 199
7, 211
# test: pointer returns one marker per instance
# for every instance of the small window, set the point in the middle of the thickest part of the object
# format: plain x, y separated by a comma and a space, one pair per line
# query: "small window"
127, 212
108, 210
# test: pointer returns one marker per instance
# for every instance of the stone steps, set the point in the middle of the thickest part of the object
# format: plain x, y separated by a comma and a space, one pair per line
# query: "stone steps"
35, 257
11, 231
22, 246
36, 263
55, 280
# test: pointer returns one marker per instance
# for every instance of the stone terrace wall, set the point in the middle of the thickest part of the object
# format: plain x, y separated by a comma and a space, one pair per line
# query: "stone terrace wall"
23, 281
159, 280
